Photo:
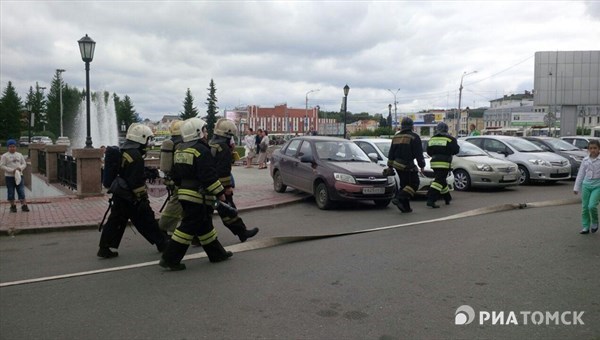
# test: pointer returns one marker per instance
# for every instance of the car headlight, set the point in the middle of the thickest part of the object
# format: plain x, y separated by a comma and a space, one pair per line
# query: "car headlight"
577, 159
344, 178
484, 167
391, 180
540, 162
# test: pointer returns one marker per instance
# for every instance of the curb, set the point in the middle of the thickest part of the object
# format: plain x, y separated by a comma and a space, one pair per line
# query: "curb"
76, 227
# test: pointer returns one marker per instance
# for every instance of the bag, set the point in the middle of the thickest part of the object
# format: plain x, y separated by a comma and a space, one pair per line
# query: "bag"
112, 163
17, 177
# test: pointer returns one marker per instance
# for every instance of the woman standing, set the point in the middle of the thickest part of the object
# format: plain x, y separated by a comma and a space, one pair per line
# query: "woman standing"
262, 149
250, 146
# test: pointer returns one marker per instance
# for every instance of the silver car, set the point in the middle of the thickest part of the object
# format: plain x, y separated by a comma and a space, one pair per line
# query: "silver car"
533, 162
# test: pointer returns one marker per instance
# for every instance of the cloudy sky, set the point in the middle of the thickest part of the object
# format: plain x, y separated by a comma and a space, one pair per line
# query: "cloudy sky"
272, 52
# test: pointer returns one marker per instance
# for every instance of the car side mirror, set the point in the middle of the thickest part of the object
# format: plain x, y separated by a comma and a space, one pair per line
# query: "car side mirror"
306, 159
373, 157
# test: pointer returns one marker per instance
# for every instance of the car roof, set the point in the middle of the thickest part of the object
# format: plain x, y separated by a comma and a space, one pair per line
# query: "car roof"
321, 138
374, 140
582, 137
493, 136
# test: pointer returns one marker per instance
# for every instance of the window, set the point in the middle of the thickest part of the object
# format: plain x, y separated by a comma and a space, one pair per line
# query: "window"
292, 148
367, 148
305, 149
495, 146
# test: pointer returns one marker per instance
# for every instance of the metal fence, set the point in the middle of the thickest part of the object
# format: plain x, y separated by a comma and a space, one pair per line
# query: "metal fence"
67, 171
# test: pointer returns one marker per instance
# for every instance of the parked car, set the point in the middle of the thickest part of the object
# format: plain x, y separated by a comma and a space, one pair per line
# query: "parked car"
380, 148
574, 154
579, 141
473, 167
332, 169
533, 162
158, 140
24, 141
41, 140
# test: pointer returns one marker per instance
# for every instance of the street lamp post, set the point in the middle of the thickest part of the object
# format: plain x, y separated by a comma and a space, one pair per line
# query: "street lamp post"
59, 71
86, 47
39, 111
30, 121
346, 90
389, 117
306, 109
395, 105
460, 88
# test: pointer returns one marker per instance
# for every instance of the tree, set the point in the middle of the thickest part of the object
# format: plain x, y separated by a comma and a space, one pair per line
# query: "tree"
11, 110
213, 109
189, 111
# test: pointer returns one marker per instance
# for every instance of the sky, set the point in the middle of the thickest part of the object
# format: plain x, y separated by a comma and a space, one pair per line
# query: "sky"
268, 53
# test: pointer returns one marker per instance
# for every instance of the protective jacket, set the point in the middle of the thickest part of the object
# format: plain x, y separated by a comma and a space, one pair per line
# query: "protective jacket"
441, 147
195, 175
406, 147
221, 151
131, 171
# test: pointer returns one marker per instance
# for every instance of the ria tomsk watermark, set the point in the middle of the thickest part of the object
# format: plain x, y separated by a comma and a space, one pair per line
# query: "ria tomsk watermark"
465, 315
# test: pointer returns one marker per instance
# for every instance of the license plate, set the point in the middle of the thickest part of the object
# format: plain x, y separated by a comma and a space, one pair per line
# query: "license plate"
373, 191
509, 177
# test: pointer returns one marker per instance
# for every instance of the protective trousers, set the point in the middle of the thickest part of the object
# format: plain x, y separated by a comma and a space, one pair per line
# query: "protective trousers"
235, 224
590, 196
439, 186
171, 215
142, 218
197, 221
409, 184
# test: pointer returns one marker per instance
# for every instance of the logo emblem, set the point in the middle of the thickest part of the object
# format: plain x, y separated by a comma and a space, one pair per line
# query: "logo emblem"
464, 315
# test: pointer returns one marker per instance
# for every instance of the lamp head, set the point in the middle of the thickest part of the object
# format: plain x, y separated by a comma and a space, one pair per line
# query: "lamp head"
346, 90
86, 47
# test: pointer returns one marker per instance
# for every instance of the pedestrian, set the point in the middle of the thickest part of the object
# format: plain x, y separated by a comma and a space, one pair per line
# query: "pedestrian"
257, 140
250, 146
262, 147
172, 213
441, 147
588, 183
13, 164
195, 174
405, 149
221, 150
130, 196
473, 130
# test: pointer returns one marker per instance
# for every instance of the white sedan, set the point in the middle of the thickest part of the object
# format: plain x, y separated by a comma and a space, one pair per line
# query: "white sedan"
381, 148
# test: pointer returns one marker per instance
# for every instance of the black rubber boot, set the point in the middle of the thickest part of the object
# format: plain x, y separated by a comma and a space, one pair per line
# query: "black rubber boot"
432, 196
405, 206
13, 208
447, 198
106, 253
216, 252
25, 208
246, 234
172, 255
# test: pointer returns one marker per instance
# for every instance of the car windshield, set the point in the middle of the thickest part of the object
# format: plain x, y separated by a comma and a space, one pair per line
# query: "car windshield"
342, 151
467, 149
384, 147
561, 145
523, 145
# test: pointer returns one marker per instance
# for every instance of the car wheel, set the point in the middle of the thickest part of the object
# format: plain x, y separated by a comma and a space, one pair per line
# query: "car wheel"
462, 180
524, 178
382, 203
278, 182
322, 196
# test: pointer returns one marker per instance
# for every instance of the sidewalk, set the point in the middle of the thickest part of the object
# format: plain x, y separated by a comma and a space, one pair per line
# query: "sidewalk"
254, 190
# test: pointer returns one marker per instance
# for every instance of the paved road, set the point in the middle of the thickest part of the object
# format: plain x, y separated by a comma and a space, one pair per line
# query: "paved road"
391, 284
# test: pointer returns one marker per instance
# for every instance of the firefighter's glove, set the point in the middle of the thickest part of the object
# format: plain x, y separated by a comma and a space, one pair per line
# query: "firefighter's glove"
170, 185
389, 172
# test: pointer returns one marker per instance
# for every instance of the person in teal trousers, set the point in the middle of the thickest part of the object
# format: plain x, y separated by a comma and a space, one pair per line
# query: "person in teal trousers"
588, 182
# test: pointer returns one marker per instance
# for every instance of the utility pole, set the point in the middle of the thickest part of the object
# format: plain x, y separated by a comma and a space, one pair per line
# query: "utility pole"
460, 88
306, 109
395, 107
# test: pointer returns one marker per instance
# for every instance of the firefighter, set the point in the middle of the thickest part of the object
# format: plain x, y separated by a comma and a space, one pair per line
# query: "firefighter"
195, 175
405, 149
171, 215
221, 149
130, 197
441, 147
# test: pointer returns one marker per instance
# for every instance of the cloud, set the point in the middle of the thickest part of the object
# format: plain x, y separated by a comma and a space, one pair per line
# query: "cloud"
267, 53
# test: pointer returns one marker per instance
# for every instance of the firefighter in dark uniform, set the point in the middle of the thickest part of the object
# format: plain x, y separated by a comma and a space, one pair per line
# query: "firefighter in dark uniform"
406, 147
130, 198
199, 187
441, 147
221, 150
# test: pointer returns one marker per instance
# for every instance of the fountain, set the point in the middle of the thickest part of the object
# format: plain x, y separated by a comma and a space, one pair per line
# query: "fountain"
103, 122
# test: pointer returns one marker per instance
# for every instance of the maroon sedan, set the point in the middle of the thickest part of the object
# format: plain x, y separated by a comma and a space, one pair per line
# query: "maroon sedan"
331, 169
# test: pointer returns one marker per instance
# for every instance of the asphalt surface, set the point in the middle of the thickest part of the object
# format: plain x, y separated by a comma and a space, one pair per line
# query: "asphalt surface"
397, 283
